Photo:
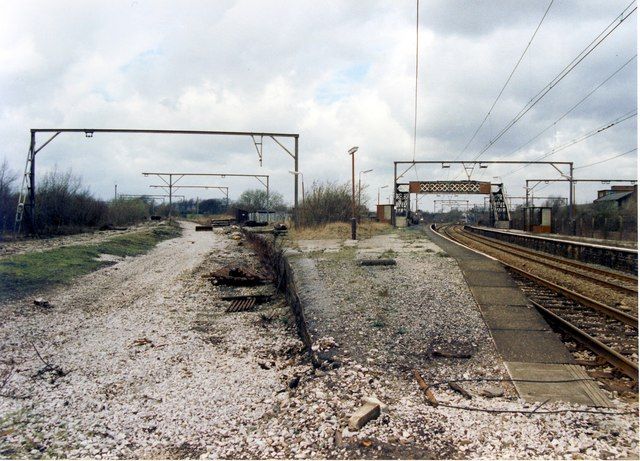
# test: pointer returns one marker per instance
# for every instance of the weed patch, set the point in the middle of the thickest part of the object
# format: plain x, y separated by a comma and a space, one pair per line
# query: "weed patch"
23, 274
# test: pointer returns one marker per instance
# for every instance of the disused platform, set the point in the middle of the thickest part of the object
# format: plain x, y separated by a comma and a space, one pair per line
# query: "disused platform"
530, 349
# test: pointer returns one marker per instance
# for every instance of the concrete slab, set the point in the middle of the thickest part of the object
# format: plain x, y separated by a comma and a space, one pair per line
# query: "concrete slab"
484, 264
498, 296
530, 346
513, 318
484, 278
583, 392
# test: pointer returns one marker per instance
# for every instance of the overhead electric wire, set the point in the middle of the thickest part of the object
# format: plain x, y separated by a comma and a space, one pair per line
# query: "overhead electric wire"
605, 160
613, 25
581, 138
574, 106
415, 99
513, 71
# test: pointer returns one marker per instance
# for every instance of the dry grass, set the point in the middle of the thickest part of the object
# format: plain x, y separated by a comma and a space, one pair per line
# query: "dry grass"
339, 230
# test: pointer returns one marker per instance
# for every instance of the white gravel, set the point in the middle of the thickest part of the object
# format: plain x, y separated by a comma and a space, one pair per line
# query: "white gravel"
156, 369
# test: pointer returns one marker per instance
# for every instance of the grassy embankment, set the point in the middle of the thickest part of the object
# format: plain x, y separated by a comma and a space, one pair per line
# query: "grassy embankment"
23, 274
339, 230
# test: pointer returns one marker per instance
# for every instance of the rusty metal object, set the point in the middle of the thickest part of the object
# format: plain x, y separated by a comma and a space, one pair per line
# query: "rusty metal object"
451, 354
461, 390
428, 393
245, 303
237, 276
377, 262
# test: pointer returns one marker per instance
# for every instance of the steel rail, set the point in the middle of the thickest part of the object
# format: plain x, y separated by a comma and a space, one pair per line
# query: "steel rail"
616, 359
577, 297
531, 256
607, 273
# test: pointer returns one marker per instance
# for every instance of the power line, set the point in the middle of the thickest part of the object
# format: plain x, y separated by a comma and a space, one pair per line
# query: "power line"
507, 82
613, 25
415, 100
584, 137
574, 106
606, 160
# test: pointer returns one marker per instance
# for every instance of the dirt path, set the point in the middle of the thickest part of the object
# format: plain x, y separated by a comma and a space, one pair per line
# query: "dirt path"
151, 372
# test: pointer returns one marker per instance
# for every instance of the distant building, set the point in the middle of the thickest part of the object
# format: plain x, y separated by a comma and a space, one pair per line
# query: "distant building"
623, 196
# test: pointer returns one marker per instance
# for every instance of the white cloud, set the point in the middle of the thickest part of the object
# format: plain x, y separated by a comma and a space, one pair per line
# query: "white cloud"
340, 73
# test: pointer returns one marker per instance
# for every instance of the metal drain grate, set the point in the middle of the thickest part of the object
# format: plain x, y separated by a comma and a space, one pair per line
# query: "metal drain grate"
245, 303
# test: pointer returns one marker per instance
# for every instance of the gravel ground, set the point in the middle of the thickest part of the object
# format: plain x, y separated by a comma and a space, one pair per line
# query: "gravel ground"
388, 320
154, 368
34, 245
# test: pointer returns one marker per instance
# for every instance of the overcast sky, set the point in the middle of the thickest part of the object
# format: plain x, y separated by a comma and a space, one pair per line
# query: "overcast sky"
339, 73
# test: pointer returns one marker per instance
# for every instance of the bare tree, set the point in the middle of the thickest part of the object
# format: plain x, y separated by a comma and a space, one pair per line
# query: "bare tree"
8, 195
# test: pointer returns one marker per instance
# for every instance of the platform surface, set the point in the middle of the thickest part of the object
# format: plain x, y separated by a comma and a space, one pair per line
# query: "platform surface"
523, 338
583, 391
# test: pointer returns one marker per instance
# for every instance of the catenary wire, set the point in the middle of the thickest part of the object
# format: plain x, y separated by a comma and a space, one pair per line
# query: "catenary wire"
577, 140
605, 160
612, 26
513, 71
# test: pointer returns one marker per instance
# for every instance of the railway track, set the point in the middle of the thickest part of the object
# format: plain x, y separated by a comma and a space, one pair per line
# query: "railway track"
606, 278
606, 331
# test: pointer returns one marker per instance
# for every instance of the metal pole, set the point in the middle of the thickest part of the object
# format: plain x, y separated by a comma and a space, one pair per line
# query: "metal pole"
571, 200
353, 197
170, 195
267, 198
115, 192
393, 209
296, 218
359, 194
32, 184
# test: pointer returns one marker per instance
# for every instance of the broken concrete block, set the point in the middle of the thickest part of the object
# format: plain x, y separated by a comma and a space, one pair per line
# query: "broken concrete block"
374, 401
363, 415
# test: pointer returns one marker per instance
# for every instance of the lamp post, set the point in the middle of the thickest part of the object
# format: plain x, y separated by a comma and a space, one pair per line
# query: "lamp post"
296, 173
380, 188
352, 152
360, 188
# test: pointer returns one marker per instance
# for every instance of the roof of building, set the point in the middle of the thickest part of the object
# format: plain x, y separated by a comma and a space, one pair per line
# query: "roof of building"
613, 197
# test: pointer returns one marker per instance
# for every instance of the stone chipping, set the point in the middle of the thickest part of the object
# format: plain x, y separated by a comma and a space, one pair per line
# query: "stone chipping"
152, 366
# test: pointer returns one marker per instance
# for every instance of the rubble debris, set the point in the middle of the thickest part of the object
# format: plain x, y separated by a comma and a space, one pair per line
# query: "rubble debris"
324, 344
143, 342
280, 227
461, 390
377, 262
221, 222
236, 236
451, 354
236, 276
367, 412
428, 393
41, 302
294, 382
492, 392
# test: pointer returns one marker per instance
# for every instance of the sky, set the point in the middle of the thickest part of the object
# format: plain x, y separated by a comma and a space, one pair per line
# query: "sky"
339, 73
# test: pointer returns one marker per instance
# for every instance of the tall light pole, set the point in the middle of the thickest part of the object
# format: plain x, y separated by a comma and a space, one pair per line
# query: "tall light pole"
379, 189
296, 173
360, 188
352, 152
